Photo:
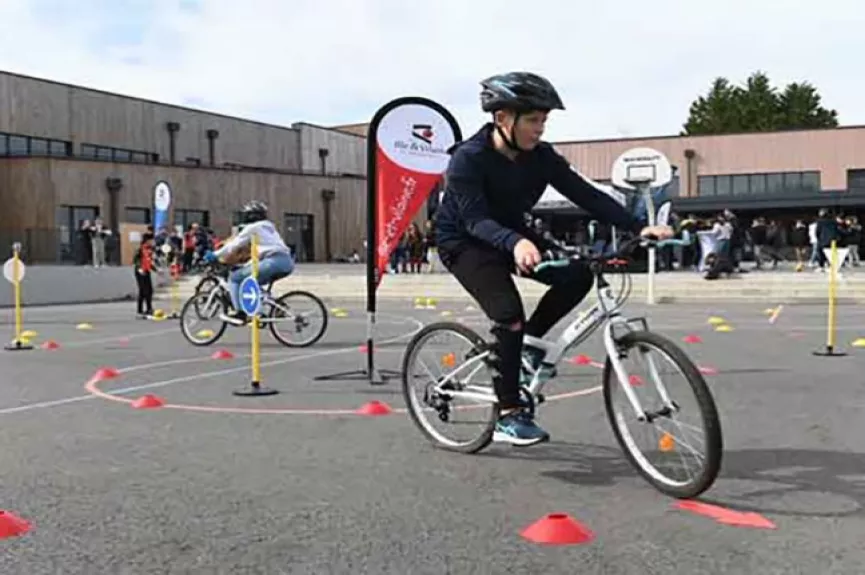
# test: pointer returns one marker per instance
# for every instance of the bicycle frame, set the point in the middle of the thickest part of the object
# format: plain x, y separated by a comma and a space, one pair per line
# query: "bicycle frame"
606, 312
223, 289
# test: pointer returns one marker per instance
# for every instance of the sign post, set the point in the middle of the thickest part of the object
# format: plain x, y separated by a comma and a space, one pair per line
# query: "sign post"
407, 153
13, 271
640, 170
250, 304
836, 257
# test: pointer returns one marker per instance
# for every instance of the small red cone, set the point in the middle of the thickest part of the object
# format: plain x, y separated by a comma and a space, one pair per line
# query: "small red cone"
222, 354
363, 348
11, 525
692, 338
635, 380
557, 529
148, 402
706, 370
581, 360
123, 341
50, 344
374, 408
104, 373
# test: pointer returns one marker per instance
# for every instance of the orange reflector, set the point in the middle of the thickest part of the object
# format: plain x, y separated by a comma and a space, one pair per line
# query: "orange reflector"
449, 360
666, 443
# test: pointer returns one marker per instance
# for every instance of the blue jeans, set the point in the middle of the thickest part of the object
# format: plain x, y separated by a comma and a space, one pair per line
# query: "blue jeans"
270, 269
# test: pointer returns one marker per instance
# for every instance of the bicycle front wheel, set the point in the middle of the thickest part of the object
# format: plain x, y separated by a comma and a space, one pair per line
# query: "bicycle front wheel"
201, 308
682, 428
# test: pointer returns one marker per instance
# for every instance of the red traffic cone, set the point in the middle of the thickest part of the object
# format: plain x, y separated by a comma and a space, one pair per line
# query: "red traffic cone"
222, 354
50, 344
148, 402
635, 380
11, 525
374, 408
557, 529
692, 338
581, 359
706, 370
104, 373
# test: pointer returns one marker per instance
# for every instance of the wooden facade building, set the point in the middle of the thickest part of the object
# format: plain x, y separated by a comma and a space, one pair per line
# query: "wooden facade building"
63, 149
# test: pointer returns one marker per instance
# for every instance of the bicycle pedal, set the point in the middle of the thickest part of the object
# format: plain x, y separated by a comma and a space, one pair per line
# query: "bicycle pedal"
539, 399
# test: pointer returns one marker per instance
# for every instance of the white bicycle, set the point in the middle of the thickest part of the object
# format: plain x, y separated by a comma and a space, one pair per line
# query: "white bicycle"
213, 297
676, 439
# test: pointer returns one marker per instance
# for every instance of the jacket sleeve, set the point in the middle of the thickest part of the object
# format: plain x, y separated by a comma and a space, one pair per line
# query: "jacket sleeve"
465, 183
584, 193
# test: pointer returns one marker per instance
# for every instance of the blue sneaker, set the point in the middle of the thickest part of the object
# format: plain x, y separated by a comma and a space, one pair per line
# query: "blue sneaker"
519, 428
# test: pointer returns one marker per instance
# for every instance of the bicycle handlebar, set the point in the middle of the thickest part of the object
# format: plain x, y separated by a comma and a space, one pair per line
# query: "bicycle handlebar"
562, 255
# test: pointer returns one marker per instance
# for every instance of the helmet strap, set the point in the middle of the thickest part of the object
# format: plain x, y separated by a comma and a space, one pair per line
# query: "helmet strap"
511, 140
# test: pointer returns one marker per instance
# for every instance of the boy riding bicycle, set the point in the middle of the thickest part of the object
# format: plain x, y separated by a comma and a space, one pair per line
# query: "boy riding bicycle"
492, 182
274, 258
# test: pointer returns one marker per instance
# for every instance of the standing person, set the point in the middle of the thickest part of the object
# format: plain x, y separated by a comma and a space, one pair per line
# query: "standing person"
143, 262
494, 179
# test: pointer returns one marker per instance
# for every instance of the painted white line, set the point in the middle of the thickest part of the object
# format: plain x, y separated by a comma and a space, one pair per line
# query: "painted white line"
46, 404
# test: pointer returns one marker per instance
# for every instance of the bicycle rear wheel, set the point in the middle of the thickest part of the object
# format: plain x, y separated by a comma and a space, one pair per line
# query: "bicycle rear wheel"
677, 438
296, 310
462, 359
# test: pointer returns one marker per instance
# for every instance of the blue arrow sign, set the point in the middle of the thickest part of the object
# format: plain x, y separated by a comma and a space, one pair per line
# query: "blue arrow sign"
250, 296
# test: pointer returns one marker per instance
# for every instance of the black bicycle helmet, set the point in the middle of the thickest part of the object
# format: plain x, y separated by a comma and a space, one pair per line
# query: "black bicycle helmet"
520, 92
254, 211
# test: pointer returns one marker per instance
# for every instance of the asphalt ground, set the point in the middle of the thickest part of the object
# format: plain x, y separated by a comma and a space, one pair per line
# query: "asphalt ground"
297, 483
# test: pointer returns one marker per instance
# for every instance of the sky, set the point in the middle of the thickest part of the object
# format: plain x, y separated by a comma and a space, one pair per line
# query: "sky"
624, 68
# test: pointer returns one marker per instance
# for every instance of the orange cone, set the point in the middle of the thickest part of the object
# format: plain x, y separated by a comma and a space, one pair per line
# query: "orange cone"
104, 373
11, 525
581, 360
222, 354
374, 408
148, 402
692, 338
557, 529
50, 344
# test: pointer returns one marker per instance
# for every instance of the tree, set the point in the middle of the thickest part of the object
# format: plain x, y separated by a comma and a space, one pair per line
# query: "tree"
757, 107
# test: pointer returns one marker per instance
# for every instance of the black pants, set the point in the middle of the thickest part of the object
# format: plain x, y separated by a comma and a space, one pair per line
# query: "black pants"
486, 273
145, 292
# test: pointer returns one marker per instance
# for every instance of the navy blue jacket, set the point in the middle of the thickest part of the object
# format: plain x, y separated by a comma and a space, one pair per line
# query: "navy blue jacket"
489, 197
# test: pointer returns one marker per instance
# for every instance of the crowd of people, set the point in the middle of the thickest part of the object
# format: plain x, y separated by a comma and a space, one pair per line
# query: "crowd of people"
715, 246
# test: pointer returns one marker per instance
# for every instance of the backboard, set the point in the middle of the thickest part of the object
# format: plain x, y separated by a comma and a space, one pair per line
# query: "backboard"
641, 167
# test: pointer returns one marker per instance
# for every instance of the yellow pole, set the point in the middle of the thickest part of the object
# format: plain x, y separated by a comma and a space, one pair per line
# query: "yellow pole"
175, 292
16, 273
256, 359
833, 259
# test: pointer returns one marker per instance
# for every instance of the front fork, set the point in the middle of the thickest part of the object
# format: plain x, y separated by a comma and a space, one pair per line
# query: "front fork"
615, 353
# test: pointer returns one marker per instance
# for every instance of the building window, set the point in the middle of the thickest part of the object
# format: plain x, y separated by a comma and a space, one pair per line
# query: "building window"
17, 146
58, 148
741, 185
760, 184
774, 184
38, 147
811, 182
723, 185
137, 215
706, 185
856, 180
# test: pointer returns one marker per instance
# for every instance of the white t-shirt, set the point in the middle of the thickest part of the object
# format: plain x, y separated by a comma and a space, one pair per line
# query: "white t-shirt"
269, 240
